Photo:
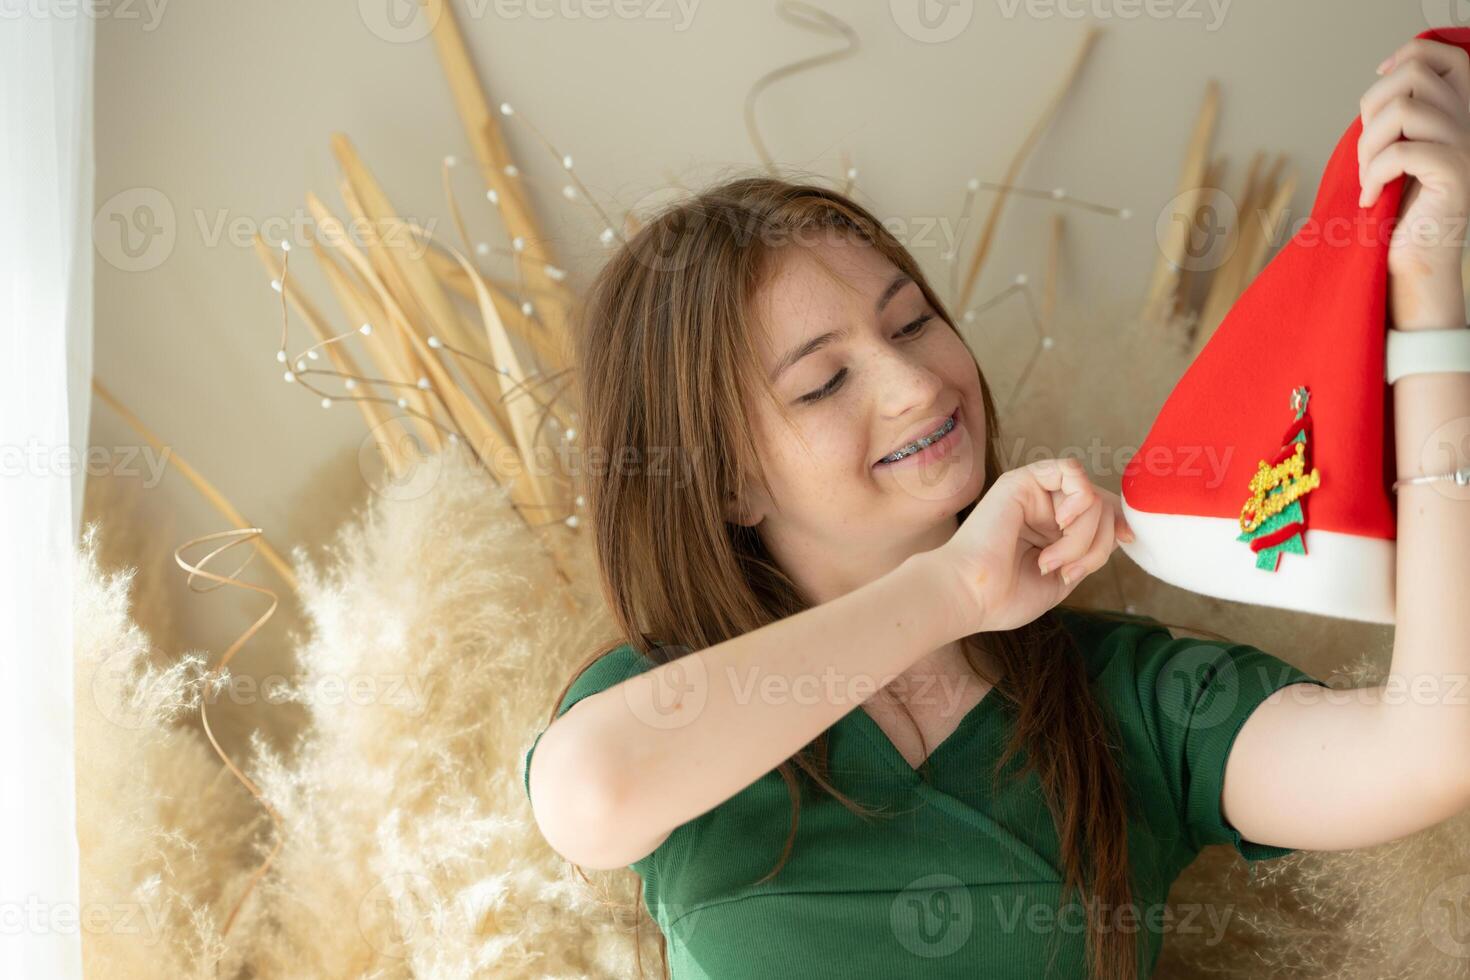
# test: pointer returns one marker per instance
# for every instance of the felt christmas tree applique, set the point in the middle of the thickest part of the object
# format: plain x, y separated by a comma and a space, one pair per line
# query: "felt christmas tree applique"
1273, 520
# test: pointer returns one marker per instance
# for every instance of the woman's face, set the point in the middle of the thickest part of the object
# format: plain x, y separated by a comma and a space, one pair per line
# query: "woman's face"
862, 372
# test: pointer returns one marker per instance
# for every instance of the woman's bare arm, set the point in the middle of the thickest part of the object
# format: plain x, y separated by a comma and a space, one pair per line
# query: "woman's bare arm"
613, 776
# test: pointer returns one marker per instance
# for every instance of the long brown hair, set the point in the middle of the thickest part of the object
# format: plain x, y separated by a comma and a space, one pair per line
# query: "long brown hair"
666, 363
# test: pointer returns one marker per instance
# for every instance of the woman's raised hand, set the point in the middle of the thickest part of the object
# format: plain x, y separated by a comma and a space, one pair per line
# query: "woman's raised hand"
1038, 531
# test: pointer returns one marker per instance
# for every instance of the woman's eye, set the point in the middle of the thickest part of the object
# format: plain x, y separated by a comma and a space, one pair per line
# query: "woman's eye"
916, 326
826, 389
912, 329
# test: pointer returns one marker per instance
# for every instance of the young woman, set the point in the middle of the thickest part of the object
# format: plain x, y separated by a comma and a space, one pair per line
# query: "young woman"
851, 730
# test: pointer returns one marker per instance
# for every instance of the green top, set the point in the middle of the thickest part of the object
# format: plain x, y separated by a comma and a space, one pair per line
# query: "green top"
959, 878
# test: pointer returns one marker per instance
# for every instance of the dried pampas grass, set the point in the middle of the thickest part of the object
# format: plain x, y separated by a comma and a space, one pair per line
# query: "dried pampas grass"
163, 832
438, 631
132, 530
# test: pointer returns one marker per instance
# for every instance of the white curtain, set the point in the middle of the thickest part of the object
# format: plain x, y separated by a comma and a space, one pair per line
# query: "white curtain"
46, 171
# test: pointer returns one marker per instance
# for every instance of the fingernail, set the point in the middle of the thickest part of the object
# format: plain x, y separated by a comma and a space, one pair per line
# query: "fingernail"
1067, 577
1383, 65
1047, 566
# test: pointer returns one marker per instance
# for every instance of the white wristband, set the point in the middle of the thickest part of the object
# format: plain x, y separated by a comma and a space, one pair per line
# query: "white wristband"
1426, 352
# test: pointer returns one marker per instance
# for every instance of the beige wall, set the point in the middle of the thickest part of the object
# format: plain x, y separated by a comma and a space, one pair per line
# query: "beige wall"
224, 109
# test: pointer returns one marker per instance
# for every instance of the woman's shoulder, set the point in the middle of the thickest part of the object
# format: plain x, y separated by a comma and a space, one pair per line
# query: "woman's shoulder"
1137, 654
1118, 645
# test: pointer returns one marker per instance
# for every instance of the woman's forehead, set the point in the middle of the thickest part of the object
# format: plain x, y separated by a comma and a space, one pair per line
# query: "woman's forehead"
820, 282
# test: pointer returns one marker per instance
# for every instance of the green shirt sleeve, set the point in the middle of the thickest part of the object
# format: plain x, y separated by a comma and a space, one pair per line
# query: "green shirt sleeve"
1194, 695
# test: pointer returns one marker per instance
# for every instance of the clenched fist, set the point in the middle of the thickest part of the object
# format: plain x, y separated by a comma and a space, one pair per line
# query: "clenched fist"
1038, 531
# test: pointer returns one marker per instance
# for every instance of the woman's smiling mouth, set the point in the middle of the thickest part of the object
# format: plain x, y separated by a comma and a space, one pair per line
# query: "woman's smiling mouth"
934, 446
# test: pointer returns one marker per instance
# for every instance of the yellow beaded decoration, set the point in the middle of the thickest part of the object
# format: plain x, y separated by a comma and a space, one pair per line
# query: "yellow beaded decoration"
1288, 474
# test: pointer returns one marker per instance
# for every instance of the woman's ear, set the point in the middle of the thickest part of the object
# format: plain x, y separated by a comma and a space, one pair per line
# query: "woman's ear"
734, 512
738, 512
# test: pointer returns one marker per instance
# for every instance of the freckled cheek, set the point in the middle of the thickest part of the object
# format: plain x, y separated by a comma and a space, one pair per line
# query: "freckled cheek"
842, 452
828, 456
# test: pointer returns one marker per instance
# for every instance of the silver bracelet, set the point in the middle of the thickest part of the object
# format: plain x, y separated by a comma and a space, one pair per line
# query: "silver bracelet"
1461, 477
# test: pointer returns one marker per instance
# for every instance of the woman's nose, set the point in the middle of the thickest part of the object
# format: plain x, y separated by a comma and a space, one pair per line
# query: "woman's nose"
905, 383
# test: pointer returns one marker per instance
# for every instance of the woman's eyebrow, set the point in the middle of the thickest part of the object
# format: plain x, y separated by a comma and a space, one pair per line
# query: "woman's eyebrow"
897, 283
822, 340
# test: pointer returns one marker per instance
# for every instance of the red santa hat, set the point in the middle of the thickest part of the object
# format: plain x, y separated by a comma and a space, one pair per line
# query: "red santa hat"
1265, 478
